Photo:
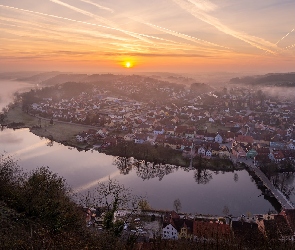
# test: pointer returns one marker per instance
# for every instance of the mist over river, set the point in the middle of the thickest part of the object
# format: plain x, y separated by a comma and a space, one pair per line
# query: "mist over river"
205, 194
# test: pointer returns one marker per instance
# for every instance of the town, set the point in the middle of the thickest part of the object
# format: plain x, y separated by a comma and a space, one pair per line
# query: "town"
244, 126
228, 123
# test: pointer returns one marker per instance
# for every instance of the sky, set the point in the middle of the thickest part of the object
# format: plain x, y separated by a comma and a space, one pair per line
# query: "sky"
147, 36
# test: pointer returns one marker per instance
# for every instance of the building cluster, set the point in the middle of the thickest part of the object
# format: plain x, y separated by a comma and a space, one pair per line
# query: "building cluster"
260, 126
170, 225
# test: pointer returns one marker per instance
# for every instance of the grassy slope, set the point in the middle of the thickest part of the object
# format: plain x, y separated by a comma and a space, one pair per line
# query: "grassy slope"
58, 131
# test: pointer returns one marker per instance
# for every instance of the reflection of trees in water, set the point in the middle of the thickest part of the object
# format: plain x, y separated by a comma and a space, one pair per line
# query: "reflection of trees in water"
236, 177
151, 170
144, 170
124, 164
203, 176
50, 143
284, 182
281, 175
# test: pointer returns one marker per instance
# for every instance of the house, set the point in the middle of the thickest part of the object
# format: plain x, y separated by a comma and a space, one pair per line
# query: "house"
129, 137
277, 145
200, 134
159, 130
238, 151
169, 232
224, 153
244, 139
110, 141
173, 143
190, 133
215, 148
211, 230
218, 138
291, 145
184, 228
208, 153
263, 151
251, 154
228, 136
170, 130
160, 140
82, 137
209, 137
185, 144
144, 128
102, 132
140, 138
180, 130
202, 150
276, 156
211, 119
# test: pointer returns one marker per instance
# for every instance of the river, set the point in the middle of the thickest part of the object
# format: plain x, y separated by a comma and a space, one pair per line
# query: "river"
204, 193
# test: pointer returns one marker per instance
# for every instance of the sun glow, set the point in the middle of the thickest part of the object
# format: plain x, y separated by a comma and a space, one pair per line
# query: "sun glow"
128, 65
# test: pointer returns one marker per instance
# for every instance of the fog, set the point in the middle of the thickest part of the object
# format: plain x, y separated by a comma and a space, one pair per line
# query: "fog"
8, 88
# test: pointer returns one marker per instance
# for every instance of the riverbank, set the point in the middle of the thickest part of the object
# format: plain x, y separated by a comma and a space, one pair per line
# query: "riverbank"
65, 132
58, 131
159, 154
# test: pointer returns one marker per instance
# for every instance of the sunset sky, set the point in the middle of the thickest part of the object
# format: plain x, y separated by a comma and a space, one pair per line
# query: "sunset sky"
154, 35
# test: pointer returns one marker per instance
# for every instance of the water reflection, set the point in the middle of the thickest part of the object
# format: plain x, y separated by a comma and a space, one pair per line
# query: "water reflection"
124, 164
236, 177
144, 170
202, 176
150, 170
10, 138
162, 183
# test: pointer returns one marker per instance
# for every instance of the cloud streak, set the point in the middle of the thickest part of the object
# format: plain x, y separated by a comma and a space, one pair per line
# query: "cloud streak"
102, 20
81, 22
186, 37
140, 36
204, 5
285, 36
291, 46
98, 5
199, 13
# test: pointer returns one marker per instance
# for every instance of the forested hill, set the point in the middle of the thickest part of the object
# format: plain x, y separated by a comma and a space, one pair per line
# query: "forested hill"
272, 79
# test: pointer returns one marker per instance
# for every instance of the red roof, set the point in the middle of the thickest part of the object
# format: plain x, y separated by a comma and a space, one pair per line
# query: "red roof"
278, 154
211, 229
244, 138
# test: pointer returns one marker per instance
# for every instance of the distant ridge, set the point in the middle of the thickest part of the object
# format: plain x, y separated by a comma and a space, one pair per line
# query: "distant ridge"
39, 77
271, 79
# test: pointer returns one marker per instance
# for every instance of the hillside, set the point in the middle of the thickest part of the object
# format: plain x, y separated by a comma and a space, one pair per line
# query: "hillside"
38, 77
272, 79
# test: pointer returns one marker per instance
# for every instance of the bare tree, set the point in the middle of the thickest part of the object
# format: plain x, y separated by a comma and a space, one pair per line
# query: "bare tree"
225, 210
112, 196
144, 205
177, 205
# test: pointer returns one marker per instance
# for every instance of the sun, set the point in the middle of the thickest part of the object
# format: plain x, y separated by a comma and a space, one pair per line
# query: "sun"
128, 65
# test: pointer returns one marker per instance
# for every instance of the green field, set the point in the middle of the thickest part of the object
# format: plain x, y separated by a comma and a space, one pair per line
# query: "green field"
58, 131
